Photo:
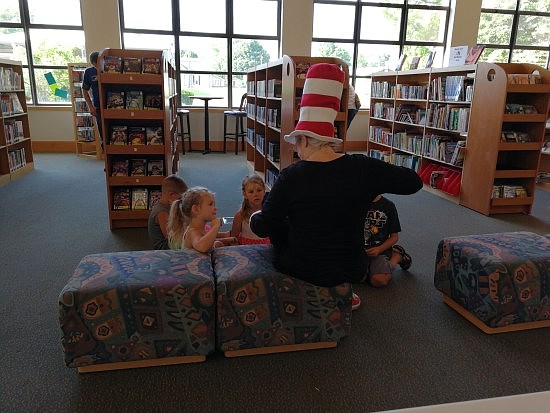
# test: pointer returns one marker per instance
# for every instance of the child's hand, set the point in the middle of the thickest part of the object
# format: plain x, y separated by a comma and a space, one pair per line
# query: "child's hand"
373, 252
217, 223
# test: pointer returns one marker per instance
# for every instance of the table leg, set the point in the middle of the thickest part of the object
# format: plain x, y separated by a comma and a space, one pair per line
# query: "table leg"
206, 129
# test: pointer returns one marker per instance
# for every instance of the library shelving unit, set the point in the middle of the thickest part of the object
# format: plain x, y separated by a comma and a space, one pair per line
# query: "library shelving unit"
85, 130
138, 109
16, 157
450, 125
274, 92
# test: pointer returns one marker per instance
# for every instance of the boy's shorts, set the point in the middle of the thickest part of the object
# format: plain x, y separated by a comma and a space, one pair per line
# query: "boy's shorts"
379, 265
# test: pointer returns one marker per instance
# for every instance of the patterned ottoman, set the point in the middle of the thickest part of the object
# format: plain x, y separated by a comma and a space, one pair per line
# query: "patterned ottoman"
499, 282
261, 310
138, 309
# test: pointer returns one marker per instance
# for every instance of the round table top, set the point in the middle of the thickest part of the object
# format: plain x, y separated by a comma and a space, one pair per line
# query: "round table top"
206, 97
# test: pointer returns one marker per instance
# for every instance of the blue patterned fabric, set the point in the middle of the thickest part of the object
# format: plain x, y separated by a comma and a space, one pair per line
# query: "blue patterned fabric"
130, 306
261, 307
501, 278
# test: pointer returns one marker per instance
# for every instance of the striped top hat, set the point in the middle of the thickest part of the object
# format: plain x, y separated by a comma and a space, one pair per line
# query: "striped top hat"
320, 103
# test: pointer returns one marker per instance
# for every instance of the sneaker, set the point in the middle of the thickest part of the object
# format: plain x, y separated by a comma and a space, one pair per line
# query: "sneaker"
406, 259
355, 302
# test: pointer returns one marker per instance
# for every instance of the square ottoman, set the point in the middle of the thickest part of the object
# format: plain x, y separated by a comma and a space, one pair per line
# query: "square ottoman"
138, 309
261, 310
499, 282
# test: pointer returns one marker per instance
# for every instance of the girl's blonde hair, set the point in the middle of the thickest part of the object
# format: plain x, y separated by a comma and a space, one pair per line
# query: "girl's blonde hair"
180, 214
250, 179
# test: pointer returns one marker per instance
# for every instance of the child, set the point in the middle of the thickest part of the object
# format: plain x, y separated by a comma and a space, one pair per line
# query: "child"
253, 188
381, 235
172, 188
188, 218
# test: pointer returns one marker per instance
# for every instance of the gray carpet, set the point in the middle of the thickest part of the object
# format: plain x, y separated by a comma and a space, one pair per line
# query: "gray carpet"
406, 348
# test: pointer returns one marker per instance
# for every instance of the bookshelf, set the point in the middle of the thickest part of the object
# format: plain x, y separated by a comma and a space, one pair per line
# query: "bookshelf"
459, 138
274, 91
138, 106
16, 157
85, 130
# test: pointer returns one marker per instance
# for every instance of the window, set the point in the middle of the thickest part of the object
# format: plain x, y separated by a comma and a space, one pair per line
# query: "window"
213, 47
45, 39
371, 36
515, 31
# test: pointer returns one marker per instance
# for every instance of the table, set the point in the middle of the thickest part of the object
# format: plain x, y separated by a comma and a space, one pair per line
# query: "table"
206, 99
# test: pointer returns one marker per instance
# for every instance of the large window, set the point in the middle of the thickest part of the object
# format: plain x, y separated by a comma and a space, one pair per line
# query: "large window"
371, 36
515, 31
213, 44
45, 37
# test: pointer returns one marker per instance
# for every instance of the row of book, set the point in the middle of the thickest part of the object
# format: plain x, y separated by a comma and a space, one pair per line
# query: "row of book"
85, 134
136, 135
135, 65
13, 131
9, 79
80, 106
133, 100
271, 175
274, 118
383, 110
84, 120
509, 191
451, 89
453, 118
518, 108
383, 89
274, 151
10, 104
135, 199
398, 159
137, 167
524, 78
515, 136
16, 159
411, 91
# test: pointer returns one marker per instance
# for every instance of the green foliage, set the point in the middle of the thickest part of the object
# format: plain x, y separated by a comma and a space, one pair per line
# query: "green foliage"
186, 97
247, 54
332, 50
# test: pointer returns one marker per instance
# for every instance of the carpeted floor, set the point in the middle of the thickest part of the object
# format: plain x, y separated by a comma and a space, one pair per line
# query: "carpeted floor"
406, 348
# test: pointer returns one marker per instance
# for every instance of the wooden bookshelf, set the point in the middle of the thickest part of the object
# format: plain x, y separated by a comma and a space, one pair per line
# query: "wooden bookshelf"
16, 157
474, 117
273, 97
138, 122
86, 134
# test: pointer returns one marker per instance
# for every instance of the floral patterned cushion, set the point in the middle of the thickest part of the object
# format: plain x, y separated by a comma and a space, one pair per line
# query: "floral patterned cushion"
261, 307
130, 306
501, 278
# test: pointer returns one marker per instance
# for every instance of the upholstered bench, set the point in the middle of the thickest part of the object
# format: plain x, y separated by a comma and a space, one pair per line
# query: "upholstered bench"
499, 282
260, 310
138, 309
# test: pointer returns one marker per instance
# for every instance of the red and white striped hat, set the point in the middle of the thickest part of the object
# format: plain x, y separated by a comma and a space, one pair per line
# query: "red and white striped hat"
320, 103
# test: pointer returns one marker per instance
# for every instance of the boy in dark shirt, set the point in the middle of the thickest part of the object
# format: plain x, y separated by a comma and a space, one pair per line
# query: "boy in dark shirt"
382, 229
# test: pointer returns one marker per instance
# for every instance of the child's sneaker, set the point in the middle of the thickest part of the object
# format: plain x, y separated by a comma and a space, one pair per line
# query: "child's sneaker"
406, 259
355, 302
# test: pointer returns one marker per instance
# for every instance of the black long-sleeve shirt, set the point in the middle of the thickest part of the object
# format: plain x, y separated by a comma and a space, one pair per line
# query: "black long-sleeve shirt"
315, 215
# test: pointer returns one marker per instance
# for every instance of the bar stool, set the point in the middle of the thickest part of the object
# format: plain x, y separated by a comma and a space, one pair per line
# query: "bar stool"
184, 133
239, 131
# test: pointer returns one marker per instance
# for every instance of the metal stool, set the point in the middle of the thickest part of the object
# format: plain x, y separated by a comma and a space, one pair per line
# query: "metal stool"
183, 133
239, 131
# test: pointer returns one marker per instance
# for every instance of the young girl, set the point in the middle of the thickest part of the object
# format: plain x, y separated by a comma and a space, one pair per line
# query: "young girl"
253, 188
188, 218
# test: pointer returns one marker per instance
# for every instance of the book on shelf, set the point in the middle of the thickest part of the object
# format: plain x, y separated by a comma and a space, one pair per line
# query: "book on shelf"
474, 54
9, 79
132, 65
81, 106
115, 100
400, 62
518, 108
136, 135
457, 55
454, 88
139, 199
154, 197
414, 63
154, 135
457, 158
119, 167
77, 76
119, 135
10, 104
515, 136
301, 70
155, 167
134, 100
85, 134
430, 60
84, 120
151, 65
524, 78
121, 198
152, 101
112, 64
138, 167
77, 91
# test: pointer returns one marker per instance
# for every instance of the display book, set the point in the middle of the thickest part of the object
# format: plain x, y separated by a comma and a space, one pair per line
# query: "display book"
274, 92
86, 134
140, 149
428, 146
16, 156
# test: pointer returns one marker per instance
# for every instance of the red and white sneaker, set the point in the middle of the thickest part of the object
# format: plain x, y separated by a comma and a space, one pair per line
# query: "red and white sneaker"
355, 302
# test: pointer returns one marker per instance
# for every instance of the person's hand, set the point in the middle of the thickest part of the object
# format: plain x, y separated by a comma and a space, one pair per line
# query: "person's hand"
374, 251
217, 223
218, 244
